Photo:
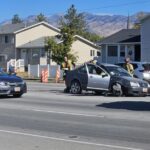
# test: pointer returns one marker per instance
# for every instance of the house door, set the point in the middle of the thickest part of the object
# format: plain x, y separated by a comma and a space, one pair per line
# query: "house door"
137, 52
24, 56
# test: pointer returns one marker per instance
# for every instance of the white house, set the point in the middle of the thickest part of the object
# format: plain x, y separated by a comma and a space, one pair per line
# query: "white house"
117, 46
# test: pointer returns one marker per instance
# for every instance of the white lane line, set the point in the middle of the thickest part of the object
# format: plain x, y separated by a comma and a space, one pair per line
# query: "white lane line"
67, 113
66, 140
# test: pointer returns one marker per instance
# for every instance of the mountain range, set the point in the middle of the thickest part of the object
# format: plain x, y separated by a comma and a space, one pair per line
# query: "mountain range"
103, 25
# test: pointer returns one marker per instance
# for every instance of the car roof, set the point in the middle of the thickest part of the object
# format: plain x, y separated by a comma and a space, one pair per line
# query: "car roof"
106, 64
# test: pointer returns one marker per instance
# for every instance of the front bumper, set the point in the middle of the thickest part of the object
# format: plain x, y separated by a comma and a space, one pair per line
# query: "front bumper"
138, 91
5, 90
18, 88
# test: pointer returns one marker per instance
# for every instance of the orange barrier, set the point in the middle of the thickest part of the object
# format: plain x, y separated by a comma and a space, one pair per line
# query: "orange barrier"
57, 75
44, 76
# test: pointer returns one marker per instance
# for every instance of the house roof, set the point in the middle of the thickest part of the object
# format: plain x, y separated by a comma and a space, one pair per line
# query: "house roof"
86, 41
19, 27
125, 36
40, 42
133, 39
11, 28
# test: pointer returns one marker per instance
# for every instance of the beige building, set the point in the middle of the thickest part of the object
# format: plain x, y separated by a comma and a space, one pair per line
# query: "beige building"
27, 42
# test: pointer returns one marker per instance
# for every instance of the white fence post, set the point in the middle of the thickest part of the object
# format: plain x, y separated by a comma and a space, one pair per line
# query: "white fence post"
29, 71
48, 68
38, 70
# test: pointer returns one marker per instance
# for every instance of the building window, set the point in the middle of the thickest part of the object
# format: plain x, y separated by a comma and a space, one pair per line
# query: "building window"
92, 52
6, 39
112, 51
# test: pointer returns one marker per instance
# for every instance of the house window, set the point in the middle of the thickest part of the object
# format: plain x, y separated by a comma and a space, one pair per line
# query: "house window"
92, 52
6, 39
42, 52
98, 53
112, 51
12, 40
3, 58
122, 51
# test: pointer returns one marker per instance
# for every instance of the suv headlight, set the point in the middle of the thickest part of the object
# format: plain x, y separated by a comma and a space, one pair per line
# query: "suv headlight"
134, 84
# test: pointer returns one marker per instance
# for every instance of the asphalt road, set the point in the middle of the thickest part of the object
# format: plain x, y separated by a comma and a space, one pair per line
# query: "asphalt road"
47, 119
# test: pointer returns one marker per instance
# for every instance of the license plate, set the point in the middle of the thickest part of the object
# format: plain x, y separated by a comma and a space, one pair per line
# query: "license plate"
17, 89
145, 90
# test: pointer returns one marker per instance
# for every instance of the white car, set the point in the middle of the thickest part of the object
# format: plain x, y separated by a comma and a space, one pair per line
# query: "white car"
141, 69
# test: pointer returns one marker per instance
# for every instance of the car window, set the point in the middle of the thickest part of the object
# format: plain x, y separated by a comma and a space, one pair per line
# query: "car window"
95, 70
120, 64
2, 73
82, 70
119, 71
146, 66
135, 66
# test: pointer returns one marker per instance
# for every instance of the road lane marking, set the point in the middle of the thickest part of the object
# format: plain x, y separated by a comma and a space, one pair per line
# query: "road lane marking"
66, 140
67, 113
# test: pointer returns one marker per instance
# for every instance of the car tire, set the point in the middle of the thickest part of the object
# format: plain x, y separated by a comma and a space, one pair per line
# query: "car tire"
17, 95
117, 89
75, 87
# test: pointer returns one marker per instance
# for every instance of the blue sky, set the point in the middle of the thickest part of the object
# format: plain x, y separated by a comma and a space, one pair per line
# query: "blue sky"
25, 8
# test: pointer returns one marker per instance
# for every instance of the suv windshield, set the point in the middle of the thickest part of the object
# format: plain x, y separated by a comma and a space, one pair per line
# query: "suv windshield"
114, 70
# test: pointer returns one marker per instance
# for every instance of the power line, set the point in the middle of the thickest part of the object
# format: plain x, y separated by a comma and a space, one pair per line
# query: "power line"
119, 5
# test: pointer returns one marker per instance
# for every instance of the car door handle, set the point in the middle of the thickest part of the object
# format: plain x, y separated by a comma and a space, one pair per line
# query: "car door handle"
91, 76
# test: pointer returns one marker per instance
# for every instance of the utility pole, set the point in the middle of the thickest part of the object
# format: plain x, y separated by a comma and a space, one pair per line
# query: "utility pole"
128, 22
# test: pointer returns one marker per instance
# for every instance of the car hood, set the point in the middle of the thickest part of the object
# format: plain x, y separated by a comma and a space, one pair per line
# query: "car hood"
132, 79
10, 78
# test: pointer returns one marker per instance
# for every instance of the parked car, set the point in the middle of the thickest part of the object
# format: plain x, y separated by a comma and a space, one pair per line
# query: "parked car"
105, 77
12, 85
141, 70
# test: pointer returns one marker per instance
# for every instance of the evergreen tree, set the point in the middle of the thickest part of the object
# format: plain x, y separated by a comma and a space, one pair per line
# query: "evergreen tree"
40, 18
16, 19
71, 24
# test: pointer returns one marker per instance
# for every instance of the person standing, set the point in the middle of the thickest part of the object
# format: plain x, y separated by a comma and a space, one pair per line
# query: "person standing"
66, 66
128, 66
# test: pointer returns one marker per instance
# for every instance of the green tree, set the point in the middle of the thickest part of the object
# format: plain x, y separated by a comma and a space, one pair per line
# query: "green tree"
91, 36
16, 19
73, 20
140, 16
71, 24
40, 18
